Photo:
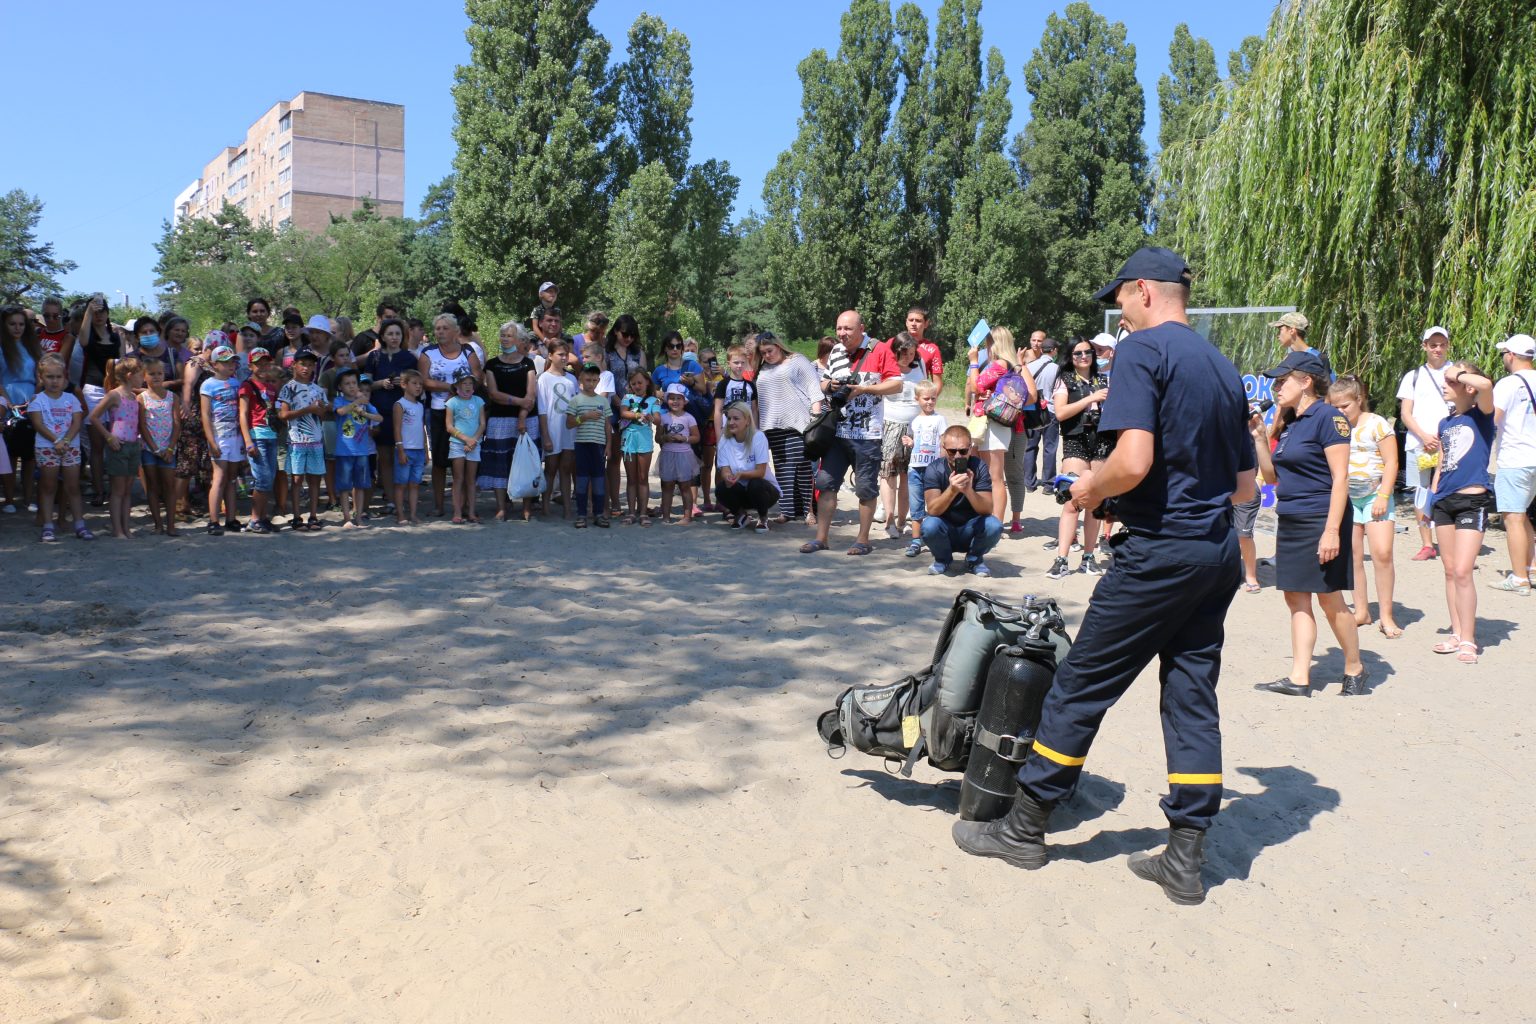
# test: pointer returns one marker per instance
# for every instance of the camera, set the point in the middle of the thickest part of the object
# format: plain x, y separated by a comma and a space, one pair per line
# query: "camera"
839, 396
1090, 419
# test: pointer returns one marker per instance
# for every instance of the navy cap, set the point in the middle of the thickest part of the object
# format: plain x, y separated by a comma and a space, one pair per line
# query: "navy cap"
1298, 362
1149, 263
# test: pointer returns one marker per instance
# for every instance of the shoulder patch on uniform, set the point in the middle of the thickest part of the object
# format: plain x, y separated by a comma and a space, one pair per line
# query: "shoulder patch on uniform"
1341, 425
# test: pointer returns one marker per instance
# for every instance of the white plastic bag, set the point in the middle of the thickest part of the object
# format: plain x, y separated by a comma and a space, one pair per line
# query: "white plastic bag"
527, 477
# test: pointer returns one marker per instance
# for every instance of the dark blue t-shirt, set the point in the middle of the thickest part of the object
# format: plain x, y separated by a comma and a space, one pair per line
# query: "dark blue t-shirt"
1466, 441
936, 478
1304, 481
1173, 383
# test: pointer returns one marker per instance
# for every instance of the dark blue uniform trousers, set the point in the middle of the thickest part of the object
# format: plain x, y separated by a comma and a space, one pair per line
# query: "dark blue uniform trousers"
1160, 599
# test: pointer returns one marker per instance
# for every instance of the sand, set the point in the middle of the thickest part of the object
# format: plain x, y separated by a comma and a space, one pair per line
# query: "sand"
519, 773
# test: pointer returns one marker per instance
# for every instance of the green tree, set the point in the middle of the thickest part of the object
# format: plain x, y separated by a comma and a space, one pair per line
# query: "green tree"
705, 241
831, 198
655, 100
956, 115
432, 275
1186, 100
535, 113
744, 281
985, 269
341, 271
909, 268
29, 271
641, 264
1242, 61
1377, 171
1083, 162
207, 269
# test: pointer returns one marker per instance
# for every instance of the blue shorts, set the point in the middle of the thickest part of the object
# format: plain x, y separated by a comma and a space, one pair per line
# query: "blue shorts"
415, 465
456, 451
306, 460
352, 473
149, 460
861, 456
264, 464
1514, 489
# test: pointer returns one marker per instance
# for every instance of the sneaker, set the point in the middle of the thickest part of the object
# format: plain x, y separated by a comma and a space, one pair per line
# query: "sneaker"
1016, 527
880, 513
8, 509
1425, 553
892, 531
938, 569
1510, 585
1058, 569
1052, 544
1076, 547
978, 568
914, 549
232, 526
257, 526
1091, 566
215, 530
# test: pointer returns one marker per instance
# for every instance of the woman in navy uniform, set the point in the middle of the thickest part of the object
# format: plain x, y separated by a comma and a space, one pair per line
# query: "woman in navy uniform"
1313, 553
1181, 455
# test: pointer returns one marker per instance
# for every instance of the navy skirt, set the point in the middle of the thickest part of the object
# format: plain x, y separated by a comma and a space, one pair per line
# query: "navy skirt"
1296, 566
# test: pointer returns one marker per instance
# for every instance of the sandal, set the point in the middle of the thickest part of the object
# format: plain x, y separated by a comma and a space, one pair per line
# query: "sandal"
628, 519
860, 548
1467, 652
601, 522
84, 534
1391, 633
1450, 646
1251, 588
645, 520
580, 523
48, 536
810, 547
313, 526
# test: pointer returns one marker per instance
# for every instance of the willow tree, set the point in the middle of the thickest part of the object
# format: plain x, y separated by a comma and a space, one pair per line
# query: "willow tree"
1377, 168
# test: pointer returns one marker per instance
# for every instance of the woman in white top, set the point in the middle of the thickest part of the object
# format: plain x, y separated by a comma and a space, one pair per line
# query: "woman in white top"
745, 482
1372, 473
788, 390
899, 409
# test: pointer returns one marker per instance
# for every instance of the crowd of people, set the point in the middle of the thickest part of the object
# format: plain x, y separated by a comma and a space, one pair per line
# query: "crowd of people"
303, 417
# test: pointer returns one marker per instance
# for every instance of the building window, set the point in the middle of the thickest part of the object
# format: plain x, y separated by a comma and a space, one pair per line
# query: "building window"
284, 150
285, 175
238, 162
285, 123
285, 200
285, 222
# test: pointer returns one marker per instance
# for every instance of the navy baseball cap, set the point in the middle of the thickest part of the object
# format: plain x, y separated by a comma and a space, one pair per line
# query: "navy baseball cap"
1298, 362
1149, 263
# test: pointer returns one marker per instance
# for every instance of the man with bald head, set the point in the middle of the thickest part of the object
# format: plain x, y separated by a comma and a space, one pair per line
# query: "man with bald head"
859, 373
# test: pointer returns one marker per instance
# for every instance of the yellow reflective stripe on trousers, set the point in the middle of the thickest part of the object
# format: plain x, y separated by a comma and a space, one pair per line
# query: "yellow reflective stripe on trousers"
1184, 779
1060, 758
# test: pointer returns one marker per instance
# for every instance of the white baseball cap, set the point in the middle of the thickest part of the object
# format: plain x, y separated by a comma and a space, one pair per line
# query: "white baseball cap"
1104, 341
1432, 331
1522, 345
319, 322
547, 285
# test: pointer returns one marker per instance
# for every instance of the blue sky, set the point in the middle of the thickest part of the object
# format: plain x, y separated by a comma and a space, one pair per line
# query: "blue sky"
141, 95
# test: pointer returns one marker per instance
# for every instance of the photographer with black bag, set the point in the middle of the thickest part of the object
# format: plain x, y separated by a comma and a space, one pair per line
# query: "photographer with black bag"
1180, 460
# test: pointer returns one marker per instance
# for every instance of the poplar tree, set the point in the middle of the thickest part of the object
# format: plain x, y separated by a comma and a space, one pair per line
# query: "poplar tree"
830, 199
1083, 162
534, 113
1186, 98
640, 259
655, 100
705, 240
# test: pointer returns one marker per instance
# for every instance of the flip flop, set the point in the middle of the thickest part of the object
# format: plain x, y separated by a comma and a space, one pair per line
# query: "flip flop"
860, 549
1390, 634
1251, 588
810, 547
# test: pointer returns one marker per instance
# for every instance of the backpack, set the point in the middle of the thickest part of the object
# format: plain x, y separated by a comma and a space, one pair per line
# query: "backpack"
1008, 398
933, 711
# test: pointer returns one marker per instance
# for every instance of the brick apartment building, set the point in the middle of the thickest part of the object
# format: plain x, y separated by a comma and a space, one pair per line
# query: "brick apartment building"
306, 159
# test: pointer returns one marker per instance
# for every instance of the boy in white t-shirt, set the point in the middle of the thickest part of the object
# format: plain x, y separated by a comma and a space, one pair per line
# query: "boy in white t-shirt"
1514, 487
927, 427
1422, 408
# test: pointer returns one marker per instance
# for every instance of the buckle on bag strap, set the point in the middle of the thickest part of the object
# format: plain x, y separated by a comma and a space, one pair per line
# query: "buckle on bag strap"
1013, 749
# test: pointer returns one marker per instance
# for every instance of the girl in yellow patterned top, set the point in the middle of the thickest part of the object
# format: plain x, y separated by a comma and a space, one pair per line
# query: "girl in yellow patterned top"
1372, 471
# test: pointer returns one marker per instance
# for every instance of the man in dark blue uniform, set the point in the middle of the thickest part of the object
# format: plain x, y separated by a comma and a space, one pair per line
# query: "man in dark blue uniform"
1182, 457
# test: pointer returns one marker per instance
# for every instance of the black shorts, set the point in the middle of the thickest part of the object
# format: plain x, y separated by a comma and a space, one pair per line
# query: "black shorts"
1086, 446
1245, 515
1463, 511
437, 436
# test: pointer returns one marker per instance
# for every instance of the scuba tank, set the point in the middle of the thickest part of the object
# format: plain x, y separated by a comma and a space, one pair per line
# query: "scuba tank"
1018, 679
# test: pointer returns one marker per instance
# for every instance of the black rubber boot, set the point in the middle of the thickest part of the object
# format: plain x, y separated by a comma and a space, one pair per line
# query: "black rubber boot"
1018, 837
1177, 868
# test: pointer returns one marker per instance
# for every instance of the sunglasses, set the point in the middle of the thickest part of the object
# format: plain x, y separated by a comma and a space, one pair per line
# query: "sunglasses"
674, 348
958, 451
1083, 355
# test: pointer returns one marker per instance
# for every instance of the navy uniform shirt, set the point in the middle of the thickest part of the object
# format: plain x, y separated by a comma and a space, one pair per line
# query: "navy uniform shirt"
1304, 483
936, 478
1173, 383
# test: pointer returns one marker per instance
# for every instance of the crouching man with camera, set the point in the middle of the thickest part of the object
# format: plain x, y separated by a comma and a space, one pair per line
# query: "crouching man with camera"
957, 498
1179, 462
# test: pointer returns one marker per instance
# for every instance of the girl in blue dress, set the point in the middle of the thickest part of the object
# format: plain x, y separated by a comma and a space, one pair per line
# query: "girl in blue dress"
640, 411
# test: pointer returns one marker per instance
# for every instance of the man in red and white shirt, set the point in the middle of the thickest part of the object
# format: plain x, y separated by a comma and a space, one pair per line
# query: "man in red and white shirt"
927, 351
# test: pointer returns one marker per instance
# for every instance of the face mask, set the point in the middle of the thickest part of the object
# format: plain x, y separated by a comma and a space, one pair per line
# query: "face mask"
1103, 363
150, 341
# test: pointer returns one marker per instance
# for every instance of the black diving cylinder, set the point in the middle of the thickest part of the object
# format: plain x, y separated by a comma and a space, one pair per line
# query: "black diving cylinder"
1017, 682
